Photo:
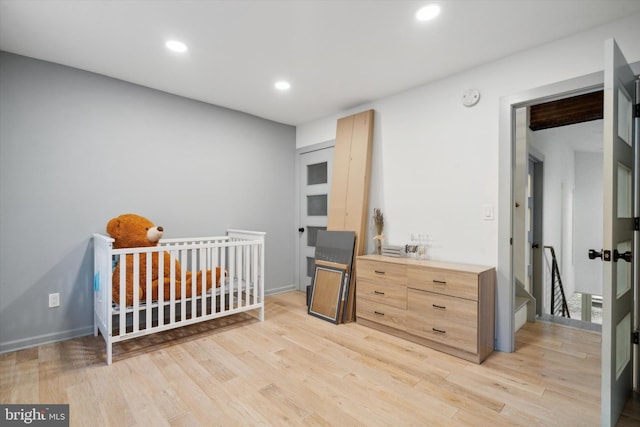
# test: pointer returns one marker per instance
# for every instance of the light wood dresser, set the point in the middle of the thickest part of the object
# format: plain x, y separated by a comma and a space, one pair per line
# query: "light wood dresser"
446, 306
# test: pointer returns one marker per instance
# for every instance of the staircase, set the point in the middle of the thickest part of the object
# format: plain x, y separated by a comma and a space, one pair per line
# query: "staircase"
525, 306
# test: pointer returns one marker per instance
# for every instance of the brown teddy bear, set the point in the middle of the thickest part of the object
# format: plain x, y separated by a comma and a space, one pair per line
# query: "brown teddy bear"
134, 231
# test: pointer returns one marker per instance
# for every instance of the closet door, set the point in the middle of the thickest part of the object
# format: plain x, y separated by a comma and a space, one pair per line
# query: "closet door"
315, 178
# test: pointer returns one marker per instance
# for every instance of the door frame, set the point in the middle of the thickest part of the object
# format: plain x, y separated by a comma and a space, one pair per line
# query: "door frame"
295, 235
505, 322
538, 224
505, 291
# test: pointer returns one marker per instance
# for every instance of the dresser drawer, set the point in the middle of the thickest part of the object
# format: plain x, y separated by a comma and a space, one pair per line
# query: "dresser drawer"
389, 294
448, 320
380, 313
454, 283
381, 272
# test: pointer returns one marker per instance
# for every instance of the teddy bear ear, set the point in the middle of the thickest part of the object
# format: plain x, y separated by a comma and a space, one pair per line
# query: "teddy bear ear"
113, 227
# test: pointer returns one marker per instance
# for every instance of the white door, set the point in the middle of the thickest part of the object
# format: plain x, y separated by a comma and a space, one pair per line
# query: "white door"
618, 298
315, 184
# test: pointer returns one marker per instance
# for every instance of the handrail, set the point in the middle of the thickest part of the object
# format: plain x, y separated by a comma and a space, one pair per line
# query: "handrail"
557, 292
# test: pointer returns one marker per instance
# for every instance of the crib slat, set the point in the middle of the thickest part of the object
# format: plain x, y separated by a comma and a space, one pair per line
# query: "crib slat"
245, 276
238, 280
194, 284
148, 292
224, 284
204, 266
183, 288
172, 289
232, 278
161, 289
215, 262
260, 263
254, 277
136, 291
123, 294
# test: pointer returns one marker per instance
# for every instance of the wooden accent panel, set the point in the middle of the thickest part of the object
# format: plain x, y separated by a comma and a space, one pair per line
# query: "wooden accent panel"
349, 197
567, 111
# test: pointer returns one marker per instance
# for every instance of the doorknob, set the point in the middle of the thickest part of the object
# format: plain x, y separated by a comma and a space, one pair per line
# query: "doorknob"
605, 254
593, 254
625, 256
301, 230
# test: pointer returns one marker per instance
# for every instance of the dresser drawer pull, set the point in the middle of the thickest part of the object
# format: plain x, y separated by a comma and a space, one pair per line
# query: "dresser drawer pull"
439, 331
439, 307
379, 272
379, 313
440, 282
378, 293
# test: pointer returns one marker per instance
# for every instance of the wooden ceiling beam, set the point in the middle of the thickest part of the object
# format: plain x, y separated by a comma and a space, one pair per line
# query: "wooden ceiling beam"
567, 111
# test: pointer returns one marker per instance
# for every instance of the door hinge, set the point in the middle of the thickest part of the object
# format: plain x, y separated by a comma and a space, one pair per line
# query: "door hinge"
636, 224
636, 338
636, 110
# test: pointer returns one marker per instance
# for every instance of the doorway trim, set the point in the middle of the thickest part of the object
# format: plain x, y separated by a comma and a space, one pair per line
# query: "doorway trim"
505, 322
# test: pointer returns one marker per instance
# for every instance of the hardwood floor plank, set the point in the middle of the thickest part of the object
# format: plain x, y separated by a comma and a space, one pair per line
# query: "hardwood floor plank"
26, 388
296, 369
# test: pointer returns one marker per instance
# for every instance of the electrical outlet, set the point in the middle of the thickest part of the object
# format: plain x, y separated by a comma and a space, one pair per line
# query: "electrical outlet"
54, 300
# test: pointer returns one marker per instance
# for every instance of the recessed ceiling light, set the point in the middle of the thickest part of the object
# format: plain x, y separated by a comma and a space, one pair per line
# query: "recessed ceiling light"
428, 12
282, 85
176, 46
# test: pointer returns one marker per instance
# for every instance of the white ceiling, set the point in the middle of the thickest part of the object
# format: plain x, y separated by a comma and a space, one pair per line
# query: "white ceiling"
336, 54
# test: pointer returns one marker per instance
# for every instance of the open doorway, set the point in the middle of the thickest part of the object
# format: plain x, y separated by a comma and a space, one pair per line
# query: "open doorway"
558, 164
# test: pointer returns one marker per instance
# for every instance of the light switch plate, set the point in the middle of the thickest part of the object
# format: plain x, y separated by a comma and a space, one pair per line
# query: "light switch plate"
487, 212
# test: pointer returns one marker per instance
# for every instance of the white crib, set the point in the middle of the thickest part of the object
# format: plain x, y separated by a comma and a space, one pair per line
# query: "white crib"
240, 254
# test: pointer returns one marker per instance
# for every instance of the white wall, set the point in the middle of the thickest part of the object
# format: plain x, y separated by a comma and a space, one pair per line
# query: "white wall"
558, 200
435, 162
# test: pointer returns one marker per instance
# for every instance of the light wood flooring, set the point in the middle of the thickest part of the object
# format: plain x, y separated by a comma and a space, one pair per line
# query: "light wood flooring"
296, 369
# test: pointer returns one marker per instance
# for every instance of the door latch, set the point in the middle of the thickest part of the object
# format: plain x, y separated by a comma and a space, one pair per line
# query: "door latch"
604, 254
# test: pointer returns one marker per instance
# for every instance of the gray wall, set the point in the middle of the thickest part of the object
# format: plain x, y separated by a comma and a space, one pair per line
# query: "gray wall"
77, 149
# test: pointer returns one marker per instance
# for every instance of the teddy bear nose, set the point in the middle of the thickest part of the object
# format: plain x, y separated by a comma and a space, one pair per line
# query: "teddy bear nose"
160, 228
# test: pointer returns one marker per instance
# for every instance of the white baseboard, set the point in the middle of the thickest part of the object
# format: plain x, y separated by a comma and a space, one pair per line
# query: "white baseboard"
21, 344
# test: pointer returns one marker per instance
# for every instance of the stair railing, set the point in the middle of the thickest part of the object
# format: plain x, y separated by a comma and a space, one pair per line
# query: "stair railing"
559, 305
